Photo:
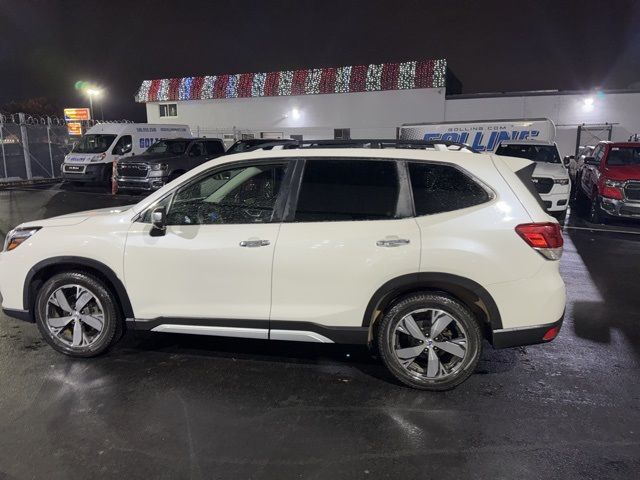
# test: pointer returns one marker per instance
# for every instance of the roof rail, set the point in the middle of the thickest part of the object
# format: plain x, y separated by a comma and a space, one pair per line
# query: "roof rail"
364, 143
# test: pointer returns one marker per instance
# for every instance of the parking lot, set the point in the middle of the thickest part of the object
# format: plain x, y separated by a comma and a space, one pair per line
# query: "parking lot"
176, 406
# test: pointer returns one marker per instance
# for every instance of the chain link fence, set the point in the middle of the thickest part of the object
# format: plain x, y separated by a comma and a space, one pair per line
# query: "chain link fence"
34, 147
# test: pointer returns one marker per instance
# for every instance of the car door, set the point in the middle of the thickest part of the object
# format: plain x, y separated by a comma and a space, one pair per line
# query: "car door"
348, 233
195, 155
214, 260
590, 172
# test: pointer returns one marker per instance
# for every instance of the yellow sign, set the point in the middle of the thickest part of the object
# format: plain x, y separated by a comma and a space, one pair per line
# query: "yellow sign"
74, 128
77, 114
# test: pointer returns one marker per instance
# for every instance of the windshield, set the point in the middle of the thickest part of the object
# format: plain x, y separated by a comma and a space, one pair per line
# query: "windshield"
174, 147
620, 156
94, 143
537, 153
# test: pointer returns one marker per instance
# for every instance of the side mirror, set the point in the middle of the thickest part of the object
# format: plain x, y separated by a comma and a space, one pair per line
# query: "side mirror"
590, 161
159, 219
567, 160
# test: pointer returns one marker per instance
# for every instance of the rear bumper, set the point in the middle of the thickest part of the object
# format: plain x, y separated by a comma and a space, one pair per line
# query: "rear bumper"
515, 337
621, 208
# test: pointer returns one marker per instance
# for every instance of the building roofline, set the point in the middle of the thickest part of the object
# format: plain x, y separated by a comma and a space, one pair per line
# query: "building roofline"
538, 93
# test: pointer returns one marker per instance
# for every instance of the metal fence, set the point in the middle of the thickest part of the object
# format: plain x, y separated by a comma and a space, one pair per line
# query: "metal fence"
32, 147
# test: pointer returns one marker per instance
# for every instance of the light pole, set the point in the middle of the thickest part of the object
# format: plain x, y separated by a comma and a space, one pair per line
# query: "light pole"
93, 92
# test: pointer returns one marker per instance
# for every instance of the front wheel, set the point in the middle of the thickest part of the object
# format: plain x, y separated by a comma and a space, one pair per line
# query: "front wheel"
596, 215
430, 341
78, 315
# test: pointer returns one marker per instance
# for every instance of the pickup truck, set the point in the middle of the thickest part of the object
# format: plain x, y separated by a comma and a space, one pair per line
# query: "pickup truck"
550, 176
165, 161
609, 181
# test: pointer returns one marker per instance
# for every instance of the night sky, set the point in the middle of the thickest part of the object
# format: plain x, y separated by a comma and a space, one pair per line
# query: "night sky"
48, 45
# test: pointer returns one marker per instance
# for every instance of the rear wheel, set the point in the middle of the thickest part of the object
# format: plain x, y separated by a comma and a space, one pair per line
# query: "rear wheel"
430, 341
77, 315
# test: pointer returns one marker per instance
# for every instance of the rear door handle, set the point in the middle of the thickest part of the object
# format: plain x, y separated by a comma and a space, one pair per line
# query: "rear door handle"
392, 242
254, 243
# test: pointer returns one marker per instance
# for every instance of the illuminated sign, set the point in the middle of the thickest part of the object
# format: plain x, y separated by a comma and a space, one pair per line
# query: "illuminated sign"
75, 114
74, 128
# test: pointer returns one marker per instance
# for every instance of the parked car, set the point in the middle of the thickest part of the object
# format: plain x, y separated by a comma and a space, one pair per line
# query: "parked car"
165, 161
550, 175
609, 181
419, 253
576, 162
91, 160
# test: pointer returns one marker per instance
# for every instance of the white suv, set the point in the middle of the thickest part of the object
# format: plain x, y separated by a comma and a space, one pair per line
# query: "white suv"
420, 254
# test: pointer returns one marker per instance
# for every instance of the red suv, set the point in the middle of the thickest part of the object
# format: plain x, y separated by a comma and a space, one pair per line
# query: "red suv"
610, 181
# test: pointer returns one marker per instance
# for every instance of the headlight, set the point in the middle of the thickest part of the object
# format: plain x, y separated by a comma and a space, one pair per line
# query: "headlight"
159, 166
613, 183
561, 181
17, 237
98, 158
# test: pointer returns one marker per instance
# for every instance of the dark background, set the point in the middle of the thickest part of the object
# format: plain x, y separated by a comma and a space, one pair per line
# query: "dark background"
491, 45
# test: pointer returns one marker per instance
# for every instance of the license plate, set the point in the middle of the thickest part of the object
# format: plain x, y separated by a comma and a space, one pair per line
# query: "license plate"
74, 168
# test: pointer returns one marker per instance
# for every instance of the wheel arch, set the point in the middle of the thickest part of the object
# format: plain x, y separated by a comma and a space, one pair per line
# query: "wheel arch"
467, 291
45, 269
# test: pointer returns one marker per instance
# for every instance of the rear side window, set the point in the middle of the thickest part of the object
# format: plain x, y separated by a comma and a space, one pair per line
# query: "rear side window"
346, 190
442, 188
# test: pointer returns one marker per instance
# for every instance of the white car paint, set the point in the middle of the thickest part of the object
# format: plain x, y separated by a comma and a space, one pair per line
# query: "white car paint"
324, 272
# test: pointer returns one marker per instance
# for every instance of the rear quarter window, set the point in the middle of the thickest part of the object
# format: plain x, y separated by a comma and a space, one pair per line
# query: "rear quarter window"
443, 188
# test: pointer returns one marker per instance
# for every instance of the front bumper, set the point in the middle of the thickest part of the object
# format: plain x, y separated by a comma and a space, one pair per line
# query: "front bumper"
515, 337
621, 208
137, 183
555, 202
93, 172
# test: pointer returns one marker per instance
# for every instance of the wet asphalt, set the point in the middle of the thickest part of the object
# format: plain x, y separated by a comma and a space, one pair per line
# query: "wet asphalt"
163, 406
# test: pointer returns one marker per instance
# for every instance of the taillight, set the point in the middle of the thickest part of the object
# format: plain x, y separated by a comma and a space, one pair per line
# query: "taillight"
546, 238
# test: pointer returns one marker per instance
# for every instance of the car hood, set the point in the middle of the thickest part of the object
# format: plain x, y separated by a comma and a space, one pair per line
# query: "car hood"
150, 158
623, 172
75, 218
553, 170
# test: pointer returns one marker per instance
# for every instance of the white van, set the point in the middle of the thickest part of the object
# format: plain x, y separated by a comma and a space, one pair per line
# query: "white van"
532, 139
91, 159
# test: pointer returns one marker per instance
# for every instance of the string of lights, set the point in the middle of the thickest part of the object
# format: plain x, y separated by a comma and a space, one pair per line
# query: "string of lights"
347, 79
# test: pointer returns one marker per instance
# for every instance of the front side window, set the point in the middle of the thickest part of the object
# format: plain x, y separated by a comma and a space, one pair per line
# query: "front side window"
346, 190
621, 156
169, 110
443, 188
123, 146
214, 148
94, 143
240, 195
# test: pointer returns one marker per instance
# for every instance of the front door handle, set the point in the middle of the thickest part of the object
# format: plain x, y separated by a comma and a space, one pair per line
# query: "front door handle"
254, 243
392, 242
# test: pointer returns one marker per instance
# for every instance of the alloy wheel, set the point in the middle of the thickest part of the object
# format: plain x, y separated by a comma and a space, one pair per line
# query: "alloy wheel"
430, 344
74, 316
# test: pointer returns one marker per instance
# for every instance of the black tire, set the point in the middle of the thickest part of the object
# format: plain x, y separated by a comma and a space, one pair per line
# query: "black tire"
174, 175
113, 325
596, 215
457, 310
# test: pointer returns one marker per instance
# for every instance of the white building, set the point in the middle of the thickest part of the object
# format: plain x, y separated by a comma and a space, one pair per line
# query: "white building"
371, 101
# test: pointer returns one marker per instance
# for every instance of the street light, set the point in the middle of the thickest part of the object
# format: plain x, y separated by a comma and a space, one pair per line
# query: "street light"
93, 92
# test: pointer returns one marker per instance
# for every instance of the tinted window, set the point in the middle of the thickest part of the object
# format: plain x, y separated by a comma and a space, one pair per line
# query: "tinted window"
345, 189
620, 156
537, 153
240, 195
214, 148
441, 188
174, 147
